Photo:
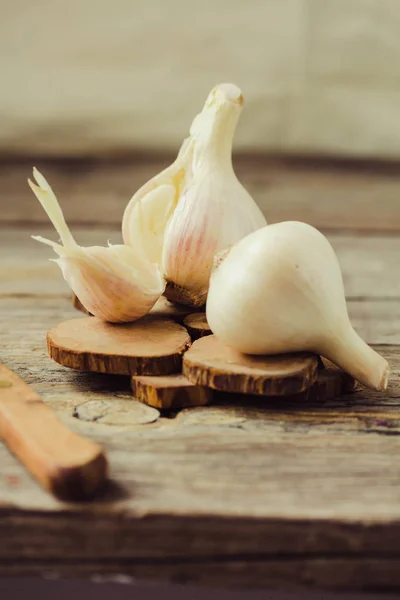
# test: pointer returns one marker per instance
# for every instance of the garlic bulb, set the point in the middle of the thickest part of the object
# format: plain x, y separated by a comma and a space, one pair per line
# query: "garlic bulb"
197, 207
280, 290
113, 283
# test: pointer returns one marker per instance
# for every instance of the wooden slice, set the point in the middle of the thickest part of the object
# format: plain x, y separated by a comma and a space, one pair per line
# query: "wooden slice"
149, 346
210, 363
162, 308
197, 325
66, 464
170, 392
331, 383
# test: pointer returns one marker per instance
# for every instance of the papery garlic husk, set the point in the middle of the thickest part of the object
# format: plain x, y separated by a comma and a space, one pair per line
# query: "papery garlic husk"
114, 283
280, 290
197, 207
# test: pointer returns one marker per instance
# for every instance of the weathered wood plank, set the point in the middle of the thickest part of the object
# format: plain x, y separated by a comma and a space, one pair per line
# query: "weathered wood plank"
178, 481
378, 322
296, 493
340, 573
23, 349
25, 268
325, 194
176, 489
169, 472
370, 263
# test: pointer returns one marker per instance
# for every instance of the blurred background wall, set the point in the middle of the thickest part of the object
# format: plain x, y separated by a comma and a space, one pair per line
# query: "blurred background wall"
320, 77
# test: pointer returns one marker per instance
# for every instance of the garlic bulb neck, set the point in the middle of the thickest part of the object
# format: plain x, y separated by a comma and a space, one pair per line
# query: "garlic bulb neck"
214, 128
354, 356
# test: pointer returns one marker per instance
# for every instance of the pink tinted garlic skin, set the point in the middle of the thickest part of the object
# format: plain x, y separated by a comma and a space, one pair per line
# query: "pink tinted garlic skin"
209, 210
114, 283
194, 236
103, 291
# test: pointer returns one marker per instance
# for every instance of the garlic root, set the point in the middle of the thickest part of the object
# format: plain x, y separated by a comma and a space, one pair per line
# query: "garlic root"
180, 295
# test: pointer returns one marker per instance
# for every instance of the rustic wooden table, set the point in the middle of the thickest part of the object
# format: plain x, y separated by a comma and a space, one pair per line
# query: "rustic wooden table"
279, 495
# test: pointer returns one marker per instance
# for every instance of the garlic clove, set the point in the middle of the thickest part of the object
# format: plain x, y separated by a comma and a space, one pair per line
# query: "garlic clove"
210, 216
280, 290
114, 283
159, 195
210, 209
148, 220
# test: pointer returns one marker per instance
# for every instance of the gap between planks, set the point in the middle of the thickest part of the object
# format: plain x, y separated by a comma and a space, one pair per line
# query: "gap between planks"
363, 575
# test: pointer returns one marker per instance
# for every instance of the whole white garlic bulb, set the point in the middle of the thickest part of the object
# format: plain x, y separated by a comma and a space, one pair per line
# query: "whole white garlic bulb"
114, 283
280, 290
196, 207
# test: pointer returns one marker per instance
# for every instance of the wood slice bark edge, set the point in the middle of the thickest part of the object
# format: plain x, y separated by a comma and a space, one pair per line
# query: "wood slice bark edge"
170, 392
197, 325
150, 346
210, 363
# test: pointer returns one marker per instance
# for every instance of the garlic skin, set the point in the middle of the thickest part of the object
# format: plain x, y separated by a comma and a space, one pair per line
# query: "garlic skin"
280, 290
114, 283
196, 207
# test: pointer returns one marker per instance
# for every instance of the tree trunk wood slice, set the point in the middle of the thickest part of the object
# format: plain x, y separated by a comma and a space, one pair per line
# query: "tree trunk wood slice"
197, 325
66, 464
170, 392
331, 383
149, 346
211, 363
162, 308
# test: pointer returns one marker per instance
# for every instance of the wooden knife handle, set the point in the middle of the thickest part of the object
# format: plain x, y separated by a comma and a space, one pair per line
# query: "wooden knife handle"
66, 464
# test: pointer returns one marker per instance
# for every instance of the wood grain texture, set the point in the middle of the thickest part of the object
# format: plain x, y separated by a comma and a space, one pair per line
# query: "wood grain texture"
188, 504
286, 494
149, 346
331, 383
358, 196
170, 392
179, 481
67, 465
340, 573
197, 325
209, 362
